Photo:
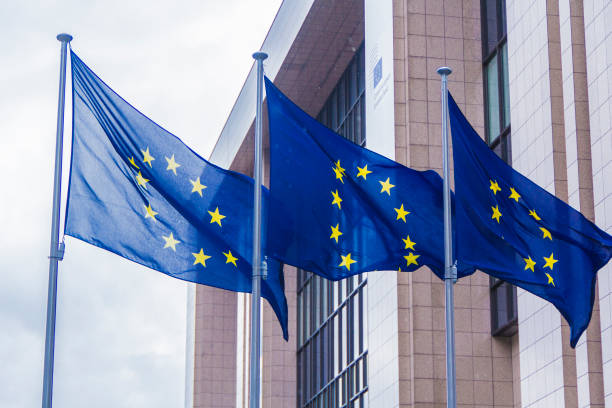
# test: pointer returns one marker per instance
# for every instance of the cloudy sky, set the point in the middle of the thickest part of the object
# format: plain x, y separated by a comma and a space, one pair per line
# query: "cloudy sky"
120, 327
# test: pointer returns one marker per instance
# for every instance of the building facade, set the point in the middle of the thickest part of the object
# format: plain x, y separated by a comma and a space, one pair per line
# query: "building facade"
534, 78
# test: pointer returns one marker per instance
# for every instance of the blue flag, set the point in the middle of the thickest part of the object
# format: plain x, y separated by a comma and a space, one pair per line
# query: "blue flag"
338, 209
138, 191
512, 229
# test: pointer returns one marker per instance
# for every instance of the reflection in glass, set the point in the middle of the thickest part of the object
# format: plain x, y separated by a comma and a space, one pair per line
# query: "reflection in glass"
492, 100
505, 91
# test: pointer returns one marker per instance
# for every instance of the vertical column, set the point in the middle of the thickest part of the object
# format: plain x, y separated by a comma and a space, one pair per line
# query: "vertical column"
598, 51
214, 348
383, 371
279, 370
548, 101
428, 34
580, 181
279, 363
531, 106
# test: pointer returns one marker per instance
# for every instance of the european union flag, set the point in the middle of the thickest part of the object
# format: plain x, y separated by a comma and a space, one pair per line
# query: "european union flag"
338, 209
514, 230
138, 191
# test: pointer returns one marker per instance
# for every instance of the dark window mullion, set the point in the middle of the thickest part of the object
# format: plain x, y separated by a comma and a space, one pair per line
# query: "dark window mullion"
329, 327
503, 295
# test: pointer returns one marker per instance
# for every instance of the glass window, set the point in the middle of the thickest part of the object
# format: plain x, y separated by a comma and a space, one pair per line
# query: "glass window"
332, 321
495, 73
497, 128
492, 100
505, 91
491, 34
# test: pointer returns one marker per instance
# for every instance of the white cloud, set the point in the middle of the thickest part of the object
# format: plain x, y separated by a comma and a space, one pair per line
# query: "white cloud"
120, 327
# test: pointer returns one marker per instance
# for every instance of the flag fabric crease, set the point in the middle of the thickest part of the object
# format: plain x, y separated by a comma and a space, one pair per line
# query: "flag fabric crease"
338, 209
510, 228
138, 191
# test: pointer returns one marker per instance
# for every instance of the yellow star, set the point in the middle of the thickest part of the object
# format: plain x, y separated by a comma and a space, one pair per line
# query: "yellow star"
363, 171
340, 167
514, 195
200, 258
141, 180
171, 242
347, 261
335, 232
215, 216
534, 215
529, 263
172, 165
494, 186
409, 243
386, 186
401, 213
339, 174
411, 259
337, 200
147, 158
131, 160
496, 214
545, 233
230, 258
550, 279
550, 261
150, 213
197, 186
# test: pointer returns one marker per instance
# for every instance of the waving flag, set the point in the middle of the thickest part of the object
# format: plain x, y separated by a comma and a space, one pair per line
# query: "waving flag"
512, 229
138, 191
337, 209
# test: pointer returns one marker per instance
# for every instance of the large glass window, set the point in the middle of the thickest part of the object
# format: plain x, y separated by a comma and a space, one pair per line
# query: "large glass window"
332, 316
495, 71
497, 130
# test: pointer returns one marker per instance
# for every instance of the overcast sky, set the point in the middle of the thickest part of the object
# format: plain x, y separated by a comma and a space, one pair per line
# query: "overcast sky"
120, 327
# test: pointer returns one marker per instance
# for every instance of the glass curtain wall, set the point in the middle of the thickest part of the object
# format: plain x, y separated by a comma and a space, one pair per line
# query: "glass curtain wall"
332, 316
497, 131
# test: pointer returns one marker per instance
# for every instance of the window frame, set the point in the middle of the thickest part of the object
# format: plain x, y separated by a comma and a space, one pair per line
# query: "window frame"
331, 343
498, 289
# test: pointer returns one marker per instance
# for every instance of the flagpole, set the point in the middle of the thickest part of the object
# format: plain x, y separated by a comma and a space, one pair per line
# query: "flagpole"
255, 379
450, 270
57, 249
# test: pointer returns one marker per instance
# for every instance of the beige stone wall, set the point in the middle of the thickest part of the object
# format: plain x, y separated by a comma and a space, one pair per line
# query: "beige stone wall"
215, 348
279, 369
589, 369
598, 49
552, 146
559, 68
427, 35
536, 110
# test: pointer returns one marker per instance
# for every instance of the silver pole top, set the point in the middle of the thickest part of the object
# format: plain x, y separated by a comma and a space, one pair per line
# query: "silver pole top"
260, 55
444, 71
63, 37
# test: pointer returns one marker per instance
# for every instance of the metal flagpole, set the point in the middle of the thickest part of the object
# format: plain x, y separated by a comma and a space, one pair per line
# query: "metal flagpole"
57, 248
257, 261
450, 270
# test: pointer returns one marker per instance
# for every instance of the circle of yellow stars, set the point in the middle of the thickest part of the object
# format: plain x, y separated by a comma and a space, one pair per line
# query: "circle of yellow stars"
216, 217
386, 187
530, 264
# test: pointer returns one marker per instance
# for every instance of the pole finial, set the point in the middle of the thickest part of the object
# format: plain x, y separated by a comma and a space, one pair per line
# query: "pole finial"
444, 71
63, 37
259, 55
